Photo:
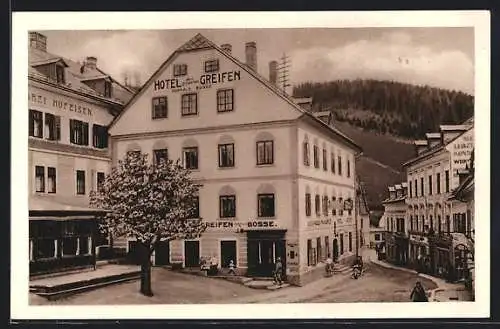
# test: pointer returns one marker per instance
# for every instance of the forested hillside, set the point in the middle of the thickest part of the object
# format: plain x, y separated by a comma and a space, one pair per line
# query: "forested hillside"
399, 109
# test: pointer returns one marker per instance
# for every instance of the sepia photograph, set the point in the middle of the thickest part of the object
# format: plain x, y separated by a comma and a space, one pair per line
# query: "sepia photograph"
282, 165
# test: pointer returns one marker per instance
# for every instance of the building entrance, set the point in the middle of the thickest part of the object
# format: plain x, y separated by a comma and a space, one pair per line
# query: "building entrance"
227, 253
191, 253
263, 250
162, 253
335, 253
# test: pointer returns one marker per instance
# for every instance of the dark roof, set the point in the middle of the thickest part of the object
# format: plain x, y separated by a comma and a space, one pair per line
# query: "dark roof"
201, 42
465, 186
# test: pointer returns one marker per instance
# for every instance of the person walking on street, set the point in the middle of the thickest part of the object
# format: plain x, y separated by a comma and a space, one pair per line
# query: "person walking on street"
418, 293
278, 268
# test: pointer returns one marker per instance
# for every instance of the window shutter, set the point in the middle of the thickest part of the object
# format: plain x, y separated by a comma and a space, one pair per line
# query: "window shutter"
32, 123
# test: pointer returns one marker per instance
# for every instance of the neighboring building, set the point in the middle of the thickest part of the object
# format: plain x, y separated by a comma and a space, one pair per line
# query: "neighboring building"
431, 177
274, 177
395, 223
377, 237
70, 106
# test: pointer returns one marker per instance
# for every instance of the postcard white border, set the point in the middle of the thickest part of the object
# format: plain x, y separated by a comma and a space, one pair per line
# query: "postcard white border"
23, 22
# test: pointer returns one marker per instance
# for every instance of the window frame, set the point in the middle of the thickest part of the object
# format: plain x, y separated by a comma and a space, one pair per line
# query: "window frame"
100, 182
179, 70
447, 181
40, 174
339, 164
430, 184
79, 132
229, 162
226, 106
157, 111
265, 161
348, 168
60, 74
51, 174
33, 114
99, 136
316, 156
185, 151
53, 124
308, 204
332, 162
223, 199
438, 183
325, 160
212, 65
261, 196
159, 152
306, 153
80, 186
187, 111
108, 89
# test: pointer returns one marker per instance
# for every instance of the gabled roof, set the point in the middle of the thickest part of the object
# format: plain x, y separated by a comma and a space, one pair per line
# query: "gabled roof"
49, 61
200, 42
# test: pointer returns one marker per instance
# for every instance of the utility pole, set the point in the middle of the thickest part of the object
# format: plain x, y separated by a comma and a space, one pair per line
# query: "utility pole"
283, 72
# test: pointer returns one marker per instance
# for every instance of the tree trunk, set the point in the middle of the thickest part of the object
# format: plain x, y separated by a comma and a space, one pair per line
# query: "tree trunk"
146, 272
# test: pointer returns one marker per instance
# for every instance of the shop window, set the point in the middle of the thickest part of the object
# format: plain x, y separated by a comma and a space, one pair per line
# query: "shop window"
308, 204
51, 175
80, 182
325, 161
85, 244
36, 123
100, 136
79, 132
101, 178
225, 100
316, 156
160, 107
306, 153
266, 205
44, 248
332, 162
265, 152
227, 204
180, 70
212, 66
226, 155
190, 157
339, 166
69, 246
160, 155
52, 127
350, 241
40, 178
189, 104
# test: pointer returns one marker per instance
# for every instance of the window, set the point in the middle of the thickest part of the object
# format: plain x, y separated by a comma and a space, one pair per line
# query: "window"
416, 188
317, 206
180, 70
266, 205
195, 213
160, 155
341, 243
227, 206
60, 74
100, 136
51, 175
439, 223
69, 246
316, 156
189, 104
318, 250
448, 223
190, 157
52, 127
306, 153
411, 223
332, 162
310, 254
80, 182
325, 161
36, 123
265, 152
325, 205
340, 165
421, 186
225, 100
107, 89
327, 247
348, 168
410, 190
160, 107
350, 241
44, 248
85, 243
308, 204
40, 178
334, 208
100, 181
212, 65
438, 183
341, 207
377, 236
430, 184
447, 181
226, 155
79, 132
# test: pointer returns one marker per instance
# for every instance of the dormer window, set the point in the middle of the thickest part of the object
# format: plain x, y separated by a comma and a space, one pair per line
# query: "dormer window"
180, 70
107, 89
60, 74
212, 66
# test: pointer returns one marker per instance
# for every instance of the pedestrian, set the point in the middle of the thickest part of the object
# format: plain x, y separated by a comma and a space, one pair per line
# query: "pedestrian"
231, 268
329, 265
418, 293
278, 271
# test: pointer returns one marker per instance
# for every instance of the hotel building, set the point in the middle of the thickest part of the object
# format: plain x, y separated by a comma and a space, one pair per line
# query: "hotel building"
274, 177
70, 106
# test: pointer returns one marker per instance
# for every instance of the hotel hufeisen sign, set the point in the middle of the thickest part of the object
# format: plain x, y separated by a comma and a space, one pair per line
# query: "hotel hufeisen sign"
190, 84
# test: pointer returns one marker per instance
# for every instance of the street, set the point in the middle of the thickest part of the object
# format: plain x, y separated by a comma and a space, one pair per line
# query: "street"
378, 284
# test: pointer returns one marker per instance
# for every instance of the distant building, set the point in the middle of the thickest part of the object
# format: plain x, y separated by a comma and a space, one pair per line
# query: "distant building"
377, 237
395, 224
70, 106
275, 179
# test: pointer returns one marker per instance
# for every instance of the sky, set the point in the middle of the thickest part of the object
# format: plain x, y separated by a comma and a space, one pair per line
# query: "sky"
437, 56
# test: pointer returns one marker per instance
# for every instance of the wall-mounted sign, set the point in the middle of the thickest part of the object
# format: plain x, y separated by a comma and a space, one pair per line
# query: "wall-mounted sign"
254, 224
191, 84
58, 104
318, 222
461, 152
418, 238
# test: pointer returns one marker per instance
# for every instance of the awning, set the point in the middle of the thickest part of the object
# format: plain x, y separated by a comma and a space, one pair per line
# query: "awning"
44, 206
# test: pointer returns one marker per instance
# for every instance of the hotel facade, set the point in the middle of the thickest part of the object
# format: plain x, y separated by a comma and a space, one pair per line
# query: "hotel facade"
274, 177
70, 106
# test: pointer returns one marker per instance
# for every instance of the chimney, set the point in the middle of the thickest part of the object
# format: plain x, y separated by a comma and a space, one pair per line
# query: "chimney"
38, 41
421, 146
227, 48
392, 192
91, 63
433, 139
273, 72
251, 55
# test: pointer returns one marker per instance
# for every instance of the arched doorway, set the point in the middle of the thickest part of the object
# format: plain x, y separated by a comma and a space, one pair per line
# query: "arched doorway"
335, 250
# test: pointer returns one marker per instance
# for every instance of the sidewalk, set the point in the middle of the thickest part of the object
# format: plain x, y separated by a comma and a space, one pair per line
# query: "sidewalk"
444, 292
